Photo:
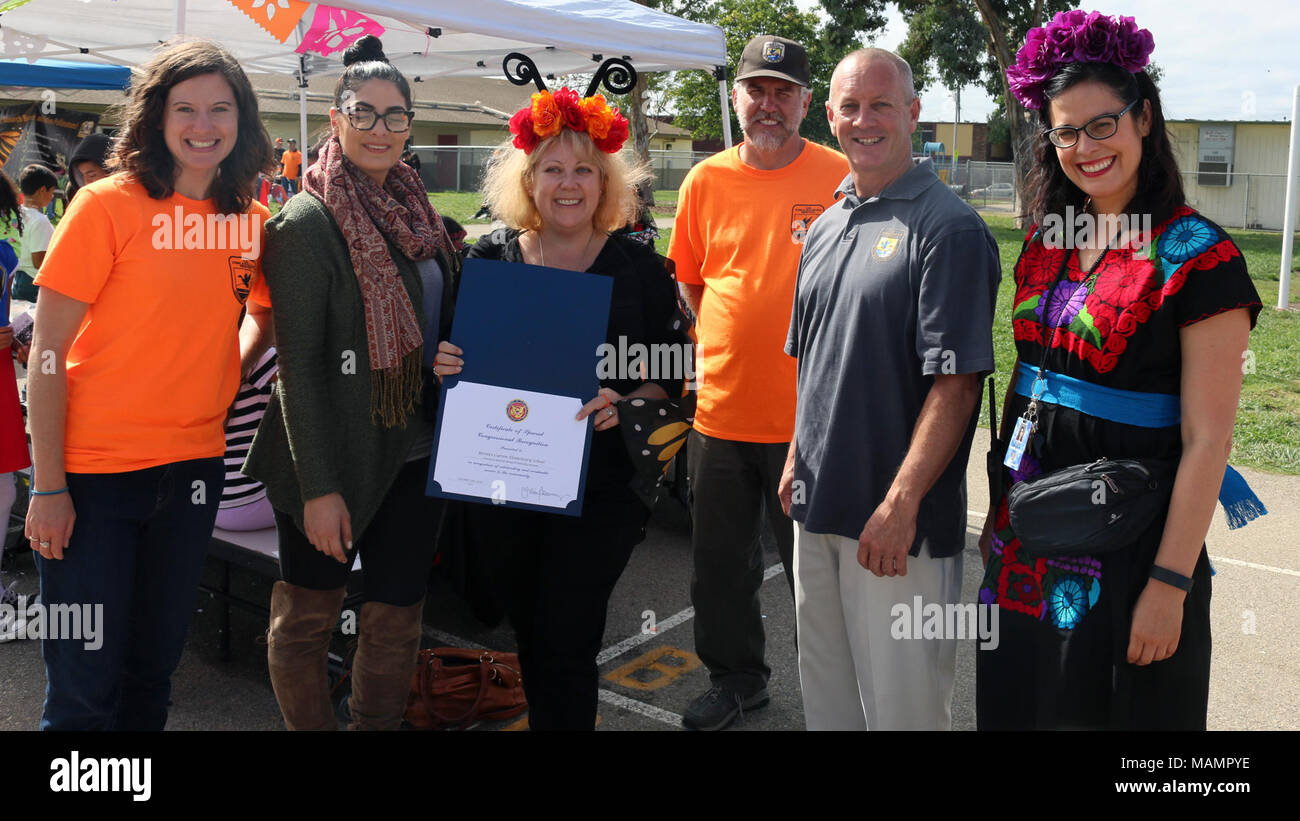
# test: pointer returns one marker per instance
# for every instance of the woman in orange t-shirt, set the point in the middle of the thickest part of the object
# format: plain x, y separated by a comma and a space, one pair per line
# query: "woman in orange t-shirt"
134, 362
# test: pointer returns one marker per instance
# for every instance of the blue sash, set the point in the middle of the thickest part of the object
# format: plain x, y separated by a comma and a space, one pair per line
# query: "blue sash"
1146, 410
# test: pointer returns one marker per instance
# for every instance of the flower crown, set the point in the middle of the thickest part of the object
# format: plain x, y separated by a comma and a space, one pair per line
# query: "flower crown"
1076, 37
550, 112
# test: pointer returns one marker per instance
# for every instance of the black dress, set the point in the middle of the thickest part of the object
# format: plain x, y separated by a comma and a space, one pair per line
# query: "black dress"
1061, 661
554, 572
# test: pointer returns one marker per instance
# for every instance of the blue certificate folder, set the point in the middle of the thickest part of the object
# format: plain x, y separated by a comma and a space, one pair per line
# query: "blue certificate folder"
529, 328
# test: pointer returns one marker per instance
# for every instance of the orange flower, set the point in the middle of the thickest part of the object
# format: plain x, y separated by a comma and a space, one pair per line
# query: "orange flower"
547, 118
599, 116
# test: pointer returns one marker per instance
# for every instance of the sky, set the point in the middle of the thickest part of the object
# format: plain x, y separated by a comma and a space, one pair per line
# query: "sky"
1243, 65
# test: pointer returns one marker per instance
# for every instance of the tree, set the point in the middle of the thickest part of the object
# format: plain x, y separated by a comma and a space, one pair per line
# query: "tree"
952, 58
694, 95
636, 98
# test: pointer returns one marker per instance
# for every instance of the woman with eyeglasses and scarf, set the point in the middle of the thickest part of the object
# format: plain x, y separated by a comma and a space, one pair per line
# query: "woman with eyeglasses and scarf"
360, 278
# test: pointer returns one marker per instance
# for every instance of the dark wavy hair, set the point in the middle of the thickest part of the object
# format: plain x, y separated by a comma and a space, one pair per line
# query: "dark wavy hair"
365, 61
1160, 186
10, 212
141, 151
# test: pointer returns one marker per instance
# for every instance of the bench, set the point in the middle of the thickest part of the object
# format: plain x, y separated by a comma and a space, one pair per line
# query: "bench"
258, 551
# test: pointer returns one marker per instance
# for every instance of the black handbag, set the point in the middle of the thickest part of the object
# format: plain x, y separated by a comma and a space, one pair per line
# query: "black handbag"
1090, 509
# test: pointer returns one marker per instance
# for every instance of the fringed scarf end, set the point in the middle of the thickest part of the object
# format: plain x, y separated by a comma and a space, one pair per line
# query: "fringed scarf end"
1239, 502
393, 391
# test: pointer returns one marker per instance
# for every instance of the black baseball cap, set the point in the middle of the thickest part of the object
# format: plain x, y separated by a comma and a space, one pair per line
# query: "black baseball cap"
770, 56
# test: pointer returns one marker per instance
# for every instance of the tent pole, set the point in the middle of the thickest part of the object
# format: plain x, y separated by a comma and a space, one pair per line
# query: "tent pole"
302, 111
180, 17
1289, 212
721, 74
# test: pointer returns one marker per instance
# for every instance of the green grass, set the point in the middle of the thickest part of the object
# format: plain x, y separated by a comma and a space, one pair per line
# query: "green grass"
665, 203
459, 205
1267, 435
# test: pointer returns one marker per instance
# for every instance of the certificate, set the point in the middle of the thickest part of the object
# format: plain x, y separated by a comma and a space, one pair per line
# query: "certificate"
511, 445
506, 432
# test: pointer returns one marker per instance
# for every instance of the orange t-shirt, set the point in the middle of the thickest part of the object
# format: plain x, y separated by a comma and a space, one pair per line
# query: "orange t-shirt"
155, 363
292, 162
738, 232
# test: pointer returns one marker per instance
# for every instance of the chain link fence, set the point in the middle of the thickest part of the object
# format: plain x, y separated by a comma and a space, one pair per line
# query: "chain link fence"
460, 167
1247, 201
1255, 201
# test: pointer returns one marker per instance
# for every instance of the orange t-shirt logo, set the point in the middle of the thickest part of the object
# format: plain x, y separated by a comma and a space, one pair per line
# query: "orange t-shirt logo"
242, 272
801, 216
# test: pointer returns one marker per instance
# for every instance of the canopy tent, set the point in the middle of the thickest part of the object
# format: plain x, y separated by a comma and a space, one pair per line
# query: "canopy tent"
63, 74
424, 38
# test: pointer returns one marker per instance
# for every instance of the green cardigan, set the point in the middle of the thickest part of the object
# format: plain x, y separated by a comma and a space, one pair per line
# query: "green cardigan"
317, 437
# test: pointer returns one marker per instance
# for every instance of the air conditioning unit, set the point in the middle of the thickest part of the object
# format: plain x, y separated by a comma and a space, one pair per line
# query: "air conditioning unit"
1214, 173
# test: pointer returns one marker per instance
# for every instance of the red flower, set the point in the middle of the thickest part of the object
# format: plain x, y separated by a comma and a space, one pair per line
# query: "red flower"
1019, 584
521, 125
566, 99
613, 141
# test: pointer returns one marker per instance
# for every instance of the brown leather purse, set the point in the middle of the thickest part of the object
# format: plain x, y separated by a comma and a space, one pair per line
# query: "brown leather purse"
453, 687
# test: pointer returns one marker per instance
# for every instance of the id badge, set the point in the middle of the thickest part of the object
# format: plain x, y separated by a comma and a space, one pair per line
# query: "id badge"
1019, 441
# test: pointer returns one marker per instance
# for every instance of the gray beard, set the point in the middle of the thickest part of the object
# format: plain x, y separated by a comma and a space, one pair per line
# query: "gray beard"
767, 142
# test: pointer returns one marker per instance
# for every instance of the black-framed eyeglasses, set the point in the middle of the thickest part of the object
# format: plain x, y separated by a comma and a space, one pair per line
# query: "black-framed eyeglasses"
396, 120
1099, 128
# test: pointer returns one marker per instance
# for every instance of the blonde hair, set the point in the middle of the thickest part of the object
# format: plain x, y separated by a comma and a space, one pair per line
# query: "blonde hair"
510, 173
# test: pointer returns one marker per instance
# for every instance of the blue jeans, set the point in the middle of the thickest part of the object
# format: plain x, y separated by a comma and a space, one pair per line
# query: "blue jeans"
137, 549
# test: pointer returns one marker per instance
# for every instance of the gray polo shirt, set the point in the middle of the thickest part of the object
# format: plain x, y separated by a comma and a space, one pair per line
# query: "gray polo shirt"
891, 291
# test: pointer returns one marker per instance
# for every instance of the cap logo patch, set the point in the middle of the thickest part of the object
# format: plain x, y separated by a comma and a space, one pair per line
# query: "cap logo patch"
773, 52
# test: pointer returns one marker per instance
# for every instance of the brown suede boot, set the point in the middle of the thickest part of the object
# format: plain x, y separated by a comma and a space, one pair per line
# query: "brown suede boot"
297, 651
388, 642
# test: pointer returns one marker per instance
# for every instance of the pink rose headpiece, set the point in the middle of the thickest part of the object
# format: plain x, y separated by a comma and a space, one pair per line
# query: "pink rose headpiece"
1076, 37
590, 114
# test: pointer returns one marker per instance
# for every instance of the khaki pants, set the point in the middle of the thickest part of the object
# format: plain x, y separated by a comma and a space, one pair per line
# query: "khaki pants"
855, 674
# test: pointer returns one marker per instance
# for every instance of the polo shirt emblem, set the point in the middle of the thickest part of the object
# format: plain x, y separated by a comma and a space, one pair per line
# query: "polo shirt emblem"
773, 52
887, 244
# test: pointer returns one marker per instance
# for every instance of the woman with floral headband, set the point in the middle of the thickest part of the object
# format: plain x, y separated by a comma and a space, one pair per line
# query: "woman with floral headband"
1130, 343
562, 188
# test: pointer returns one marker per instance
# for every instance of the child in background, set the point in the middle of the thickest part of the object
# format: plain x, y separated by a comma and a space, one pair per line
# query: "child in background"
88, 163
244, 505
13, 437
37, 183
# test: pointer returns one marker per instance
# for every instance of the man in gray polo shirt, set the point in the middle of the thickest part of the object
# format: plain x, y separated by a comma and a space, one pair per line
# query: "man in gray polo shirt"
892, 329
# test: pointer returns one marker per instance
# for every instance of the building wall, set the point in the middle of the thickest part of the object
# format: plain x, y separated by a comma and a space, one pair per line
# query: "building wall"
1256, 198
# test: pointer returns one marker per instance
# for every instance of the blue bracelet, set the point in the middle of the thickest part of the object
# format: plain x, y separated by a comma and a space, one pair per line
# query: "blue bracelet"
64, 489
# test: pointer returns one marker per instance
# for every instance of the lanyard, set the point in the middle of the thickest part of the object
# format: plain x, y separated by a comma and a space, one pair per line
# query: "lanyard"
1039, 385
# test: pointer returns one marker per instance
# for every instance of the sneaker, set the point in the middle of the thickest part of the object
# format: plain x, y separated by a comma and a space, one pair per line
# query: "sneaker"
716, 709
